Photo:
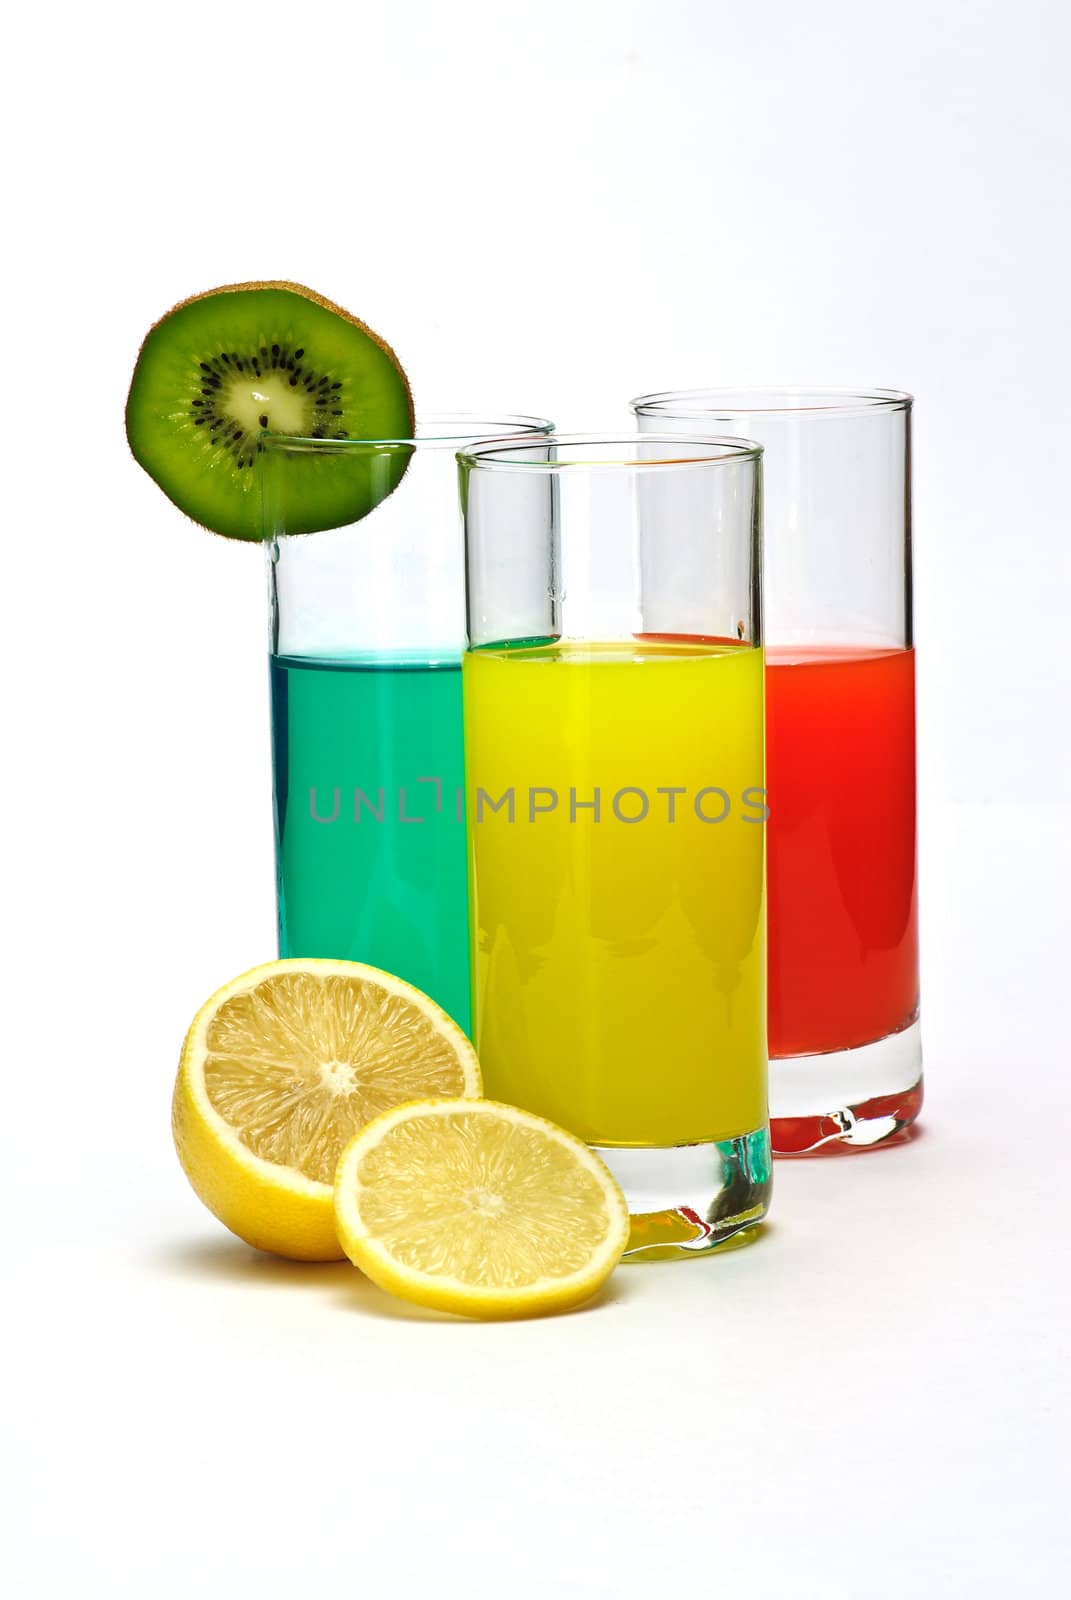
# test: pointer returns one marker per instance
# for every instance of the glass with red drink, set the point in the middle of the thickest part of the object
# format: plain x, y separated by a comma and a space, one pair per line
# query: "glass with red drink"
843, 986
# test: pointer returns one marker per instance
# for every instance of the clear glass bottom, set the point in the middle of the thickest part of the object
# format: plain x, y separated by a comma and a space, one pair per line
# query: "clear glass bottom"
848, 1099
687, 1200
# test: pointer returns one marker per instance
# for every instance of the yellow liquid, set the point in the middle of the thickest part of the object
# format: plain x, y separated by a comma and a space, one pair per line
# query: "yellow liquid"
619, 966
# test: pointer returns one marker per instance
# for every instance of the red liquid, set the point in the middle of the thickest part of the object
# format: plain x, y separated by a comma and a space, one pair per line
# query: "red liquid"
843, 912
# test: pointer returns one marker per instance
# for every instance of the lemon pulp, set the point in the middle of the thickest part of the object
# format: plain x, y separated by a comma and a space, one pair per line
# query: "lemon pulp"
495, 1204
299, 1063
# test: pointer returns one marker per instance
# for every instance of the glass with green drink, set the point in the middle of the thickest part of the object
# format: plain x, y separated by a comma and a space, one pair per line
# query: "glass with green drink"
367, 633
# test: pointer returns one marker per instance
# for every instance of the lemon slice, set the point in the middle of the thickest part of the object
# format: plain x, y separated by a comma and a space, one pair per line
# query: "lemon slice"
281, 1068
478, 1208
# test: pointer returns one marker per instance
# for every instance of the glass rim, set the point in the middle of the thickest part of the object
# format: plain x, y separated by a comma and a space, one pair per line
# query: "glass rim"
505, 455
770, 400
443, 429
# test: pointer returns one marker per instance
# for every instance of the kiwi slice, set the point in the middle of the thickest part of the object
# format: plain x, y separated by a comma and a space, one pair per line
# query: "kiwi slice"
226, 367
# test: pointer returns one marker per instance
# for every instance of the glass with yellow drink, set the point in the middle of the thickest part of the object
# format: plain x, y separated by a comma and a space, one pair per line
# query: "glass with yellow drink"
613, 699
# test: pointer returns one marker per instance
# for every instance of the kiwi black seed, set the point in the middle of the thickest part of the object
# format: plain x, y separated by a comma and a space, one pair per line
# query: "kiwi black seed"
224, 375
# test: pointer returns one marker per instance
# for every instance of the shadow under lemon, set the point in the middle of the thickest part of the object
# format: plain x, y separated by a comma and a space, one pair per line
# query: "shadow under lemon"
229, 1260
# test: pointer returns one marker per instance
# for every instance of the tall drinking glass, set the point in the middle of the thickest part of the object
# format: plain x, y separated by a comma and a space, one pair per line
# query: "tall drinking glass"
367, 629
845, 1047
613, 689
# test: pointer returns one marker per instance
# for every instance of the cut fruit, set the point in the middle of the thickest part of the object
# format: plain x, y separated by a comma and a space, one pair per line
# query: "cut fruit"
223, 369
281, 1068
478, 1208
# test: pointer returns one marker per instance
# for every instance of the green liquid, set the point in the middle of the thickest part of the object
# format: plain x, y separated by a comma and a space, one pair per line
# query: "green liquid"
370, 860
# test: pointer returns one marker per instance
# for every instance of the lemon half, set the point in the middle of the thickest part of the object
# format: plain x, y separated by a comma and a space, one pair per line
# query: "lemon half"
280, 1068
478, 1208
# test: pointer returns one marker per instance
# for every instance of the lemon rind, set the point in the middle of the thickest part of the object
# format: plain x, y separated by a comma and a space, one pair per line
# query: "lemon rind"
443, 1291
259, 1218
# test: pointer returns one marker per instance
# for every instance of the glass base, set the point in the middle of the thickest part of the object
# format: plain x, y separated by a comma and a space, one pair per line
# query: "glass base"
690, 1199
848, 1099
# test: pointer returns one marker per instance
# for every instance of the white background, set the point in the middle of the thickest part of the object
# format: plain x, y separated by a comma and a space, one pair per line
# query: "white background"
546, 208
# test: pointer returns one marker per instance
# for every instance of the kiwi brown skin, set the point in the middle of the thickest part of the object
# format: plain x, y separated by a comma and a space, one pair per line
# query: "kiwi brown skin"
386, 480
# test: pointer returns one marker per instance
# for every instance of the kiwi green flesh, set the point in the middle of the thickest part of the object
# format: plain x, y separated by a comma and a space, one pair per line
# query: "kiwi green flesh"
222, 370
